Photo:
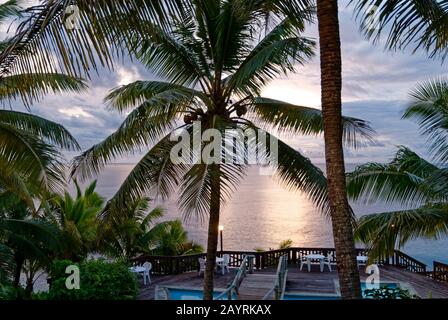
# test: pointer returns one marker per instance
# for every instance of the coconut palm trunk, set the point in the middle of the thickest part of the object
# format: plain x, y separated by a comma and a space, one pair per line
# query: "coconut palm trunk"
331, 82
212, 242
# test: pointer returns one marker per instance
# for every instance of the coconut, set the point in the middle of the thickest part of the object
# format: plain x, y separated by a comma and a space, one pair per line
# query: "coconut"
241, 111
187, 119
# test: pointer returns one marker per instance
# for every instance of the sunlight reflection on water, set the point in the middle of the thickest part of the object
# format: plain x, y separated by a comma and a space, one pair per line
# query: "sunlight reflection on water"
262, 213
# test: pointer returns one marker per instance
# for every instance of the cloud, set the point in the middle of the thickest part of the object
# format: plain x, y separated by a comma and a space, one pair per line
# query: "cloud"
375, 88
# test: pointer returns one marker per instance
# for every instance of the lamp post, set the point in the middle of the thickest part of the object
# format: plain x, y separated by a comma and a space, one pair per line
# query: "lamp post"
221, 229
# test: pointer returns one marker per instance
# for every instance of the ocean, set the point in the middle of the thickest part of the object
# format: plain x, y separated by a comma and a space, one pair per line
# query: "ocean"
262, 213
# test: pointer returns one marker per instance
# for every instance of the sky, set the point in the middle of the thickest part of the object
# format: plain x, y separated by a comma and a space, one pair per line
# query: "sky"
376, 84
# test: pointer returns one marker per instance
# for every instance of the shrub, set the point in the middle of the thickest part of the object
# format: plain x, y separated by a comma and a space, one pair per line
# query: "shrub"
99, 280
7, 292
389, 293
286, 244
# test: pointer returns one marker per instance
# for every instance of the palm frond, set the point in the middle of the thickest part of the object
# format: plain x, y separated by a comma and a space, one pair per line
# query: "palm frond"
420, 24
10, 9
31, 157
402, 180
164, 53
428, 107
295, 171
308, 121
384, 232
142, 127
11, 181
7, 263
138, 92
196, 196
43, 42
211, 174
49, 131
154, 173
30, 237
31, 87
276, 54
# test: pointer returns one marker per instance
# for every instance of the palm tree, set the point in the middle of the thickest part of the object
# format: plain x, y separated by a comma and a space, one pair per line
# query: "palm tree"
173, 241
29, 156
331, 84
134, 231
409, 180
215, 59
76, 219
23, 239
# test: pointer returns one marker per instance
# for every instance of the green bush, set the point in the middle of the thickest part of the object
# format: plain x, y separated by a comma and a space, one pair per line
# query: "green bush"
7, 292
99, 280
389, 293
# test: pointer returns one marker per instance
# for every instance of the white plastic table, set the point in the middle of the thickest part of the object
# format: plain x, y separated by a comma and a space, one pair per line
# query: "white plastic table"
319, 257
219, 263
362, 260
138, 269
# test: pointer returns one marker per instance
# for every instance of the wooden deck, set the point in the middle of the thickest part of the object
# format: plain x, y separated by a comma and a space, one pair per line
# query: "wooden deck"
255, 286
304, 282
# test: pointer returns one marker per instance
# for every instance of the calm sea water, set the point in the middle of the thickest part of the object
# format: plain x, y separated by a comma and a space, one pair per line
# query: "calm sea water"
262, 213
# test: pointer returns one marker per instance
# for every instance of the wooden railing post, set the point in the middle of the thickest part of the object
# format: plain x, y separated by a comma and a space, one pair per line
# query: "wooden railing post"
251, 264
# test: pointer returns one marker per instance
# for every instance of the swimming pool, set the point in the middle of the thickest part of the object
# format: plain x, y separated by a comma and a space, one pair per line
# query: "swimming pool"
307, 296
190, 294
175, 293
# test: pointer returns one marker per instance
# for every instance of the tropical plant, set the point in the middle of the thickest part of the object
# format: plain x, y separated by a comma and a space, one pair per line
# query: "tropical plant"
136, 231
409, 180
76, 219
133, 232
215, 59
99, 280
331, 84
30, 161
30, 144
285, 244
173, 241
389, 293
30, 166
23, 239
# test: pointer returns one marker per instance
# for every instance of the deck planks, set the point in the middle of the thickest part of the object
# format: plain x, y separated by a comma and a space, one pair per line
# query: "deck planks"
255, 286
300, 281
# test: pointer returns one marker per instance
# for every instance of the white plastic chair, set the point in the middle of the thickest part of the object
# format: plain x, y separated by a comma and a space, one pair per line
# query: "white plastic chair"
304, 260
226, 262
146, 273
201, 265
327, 261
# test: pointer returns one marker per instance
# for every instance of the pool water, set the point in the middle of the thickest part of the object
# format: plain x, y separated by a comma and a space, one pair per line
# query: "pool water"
322, 297
190, 294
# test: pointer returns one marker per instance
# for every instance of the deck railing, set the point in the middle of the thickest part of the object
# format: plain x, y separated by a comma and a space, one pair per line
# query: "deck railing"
402, 260
440, 271
247, 266
279, 287
162, 265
